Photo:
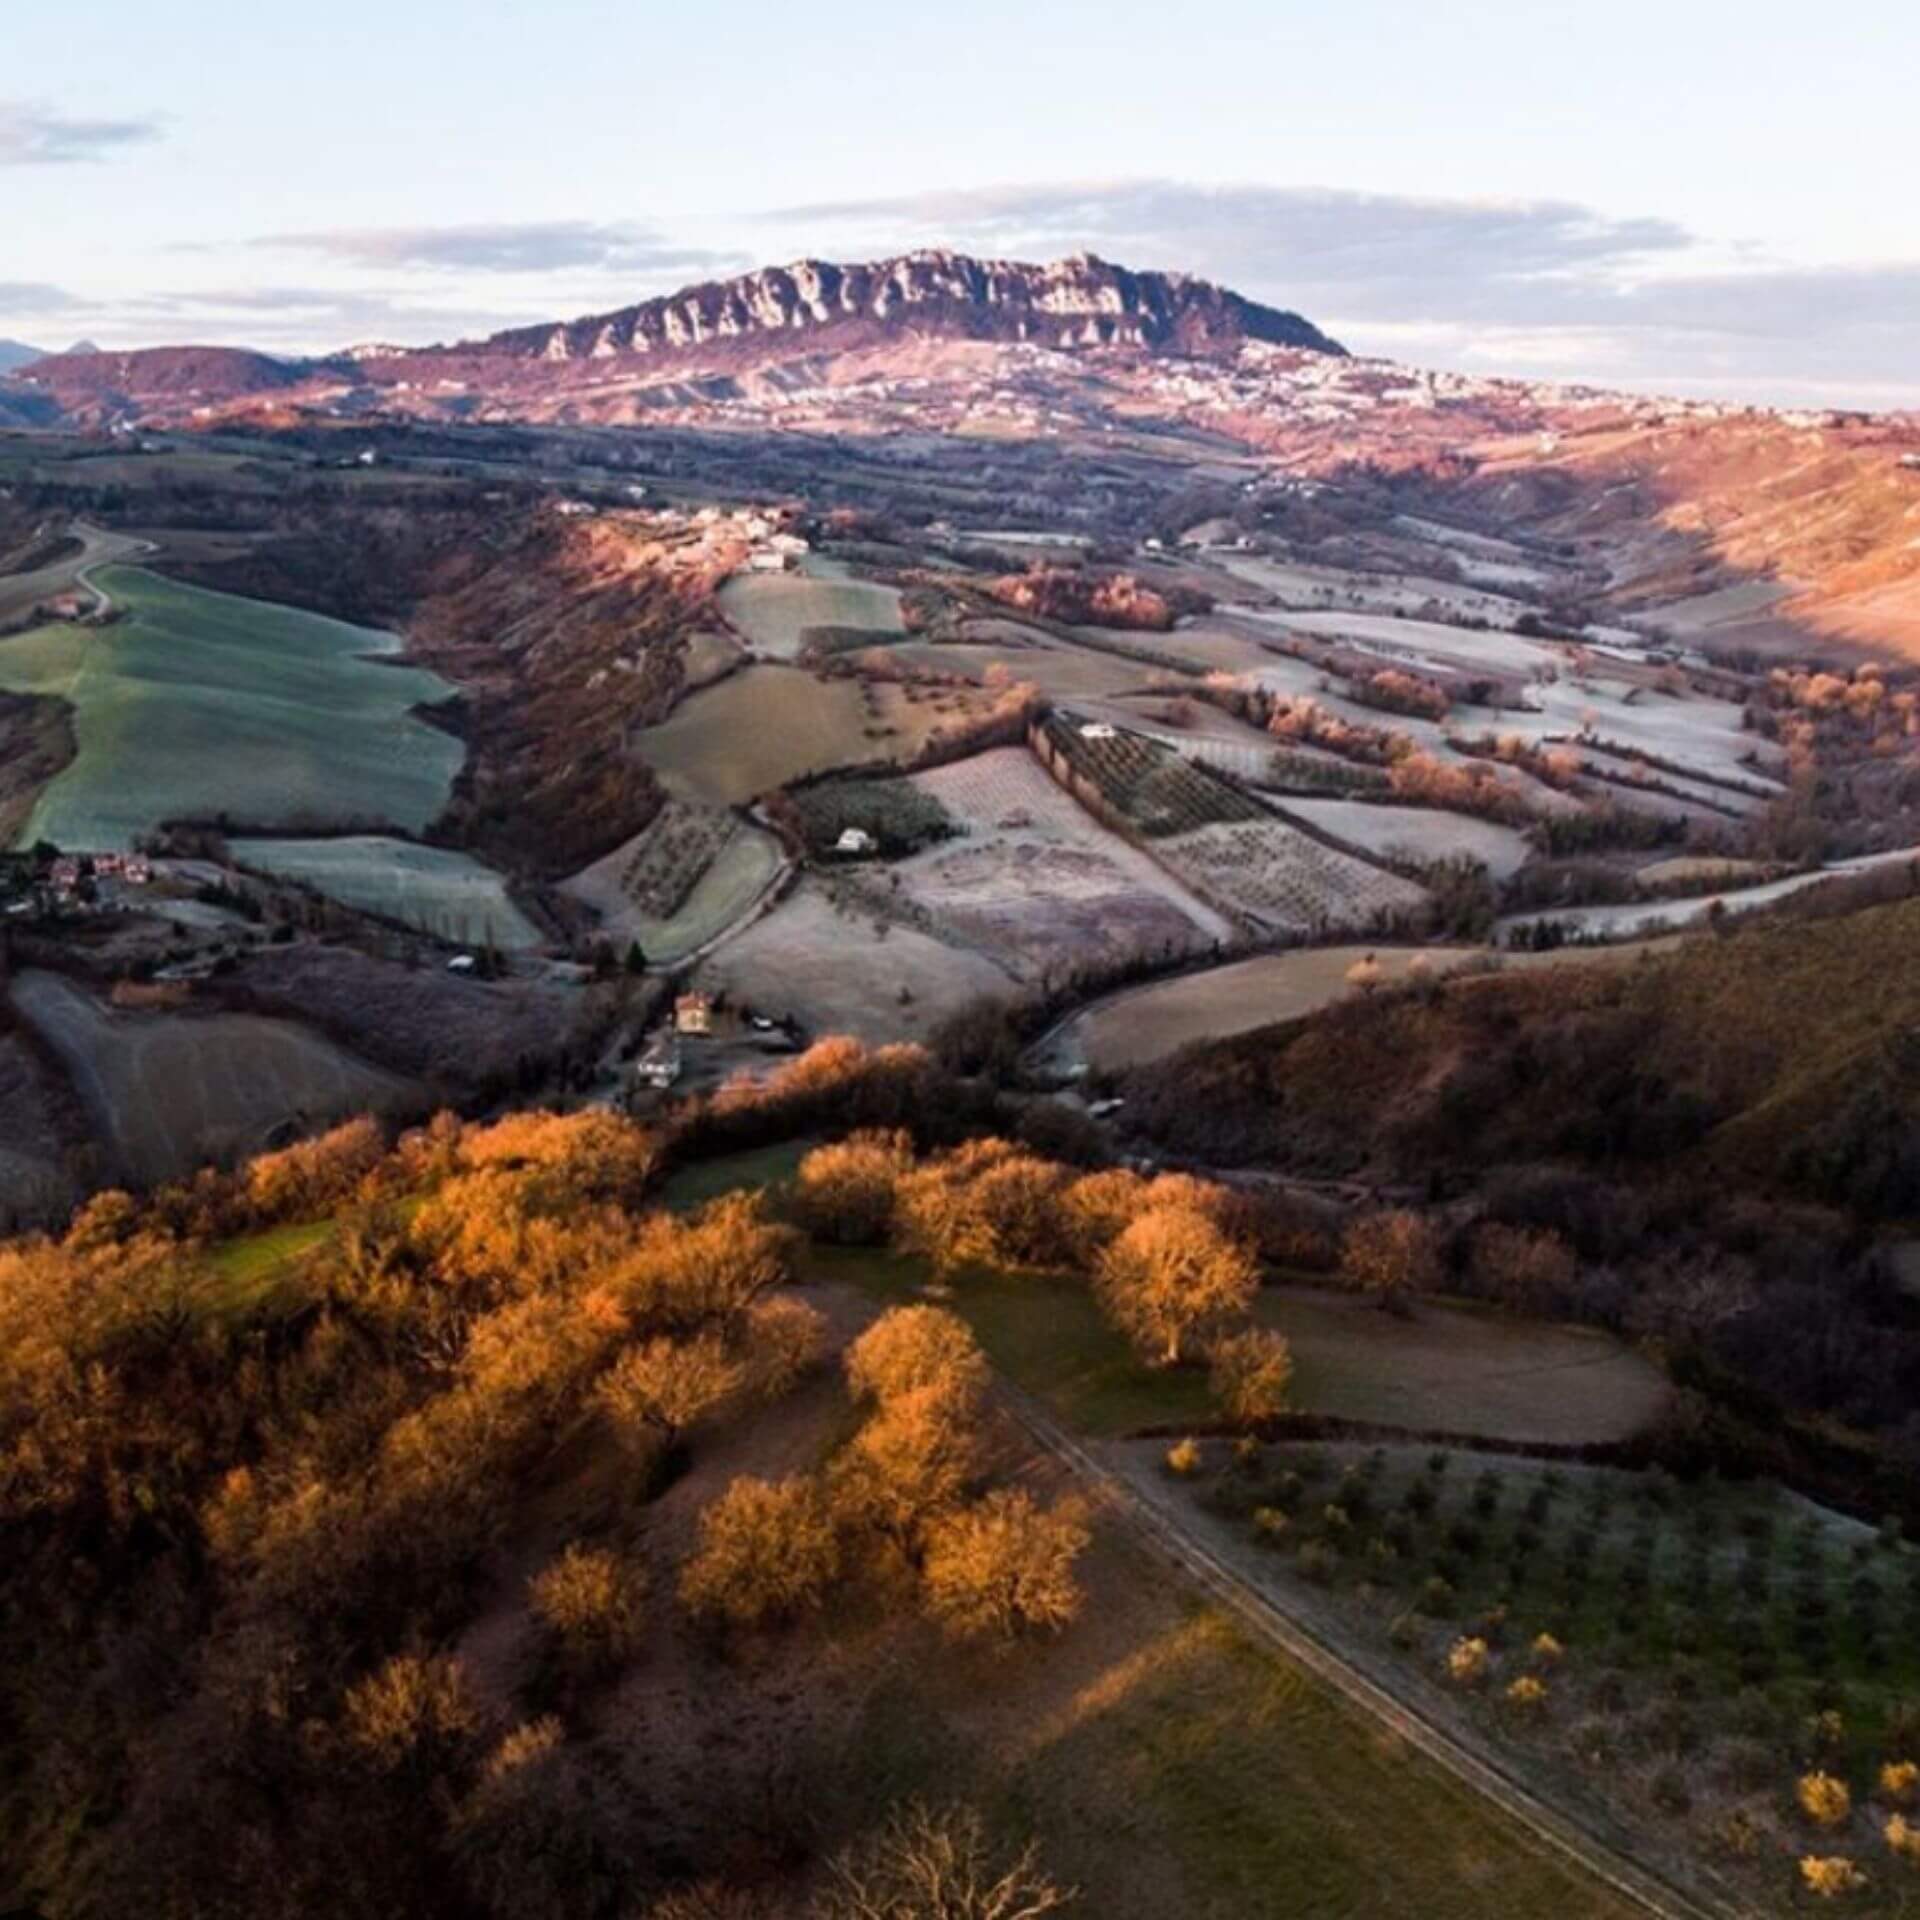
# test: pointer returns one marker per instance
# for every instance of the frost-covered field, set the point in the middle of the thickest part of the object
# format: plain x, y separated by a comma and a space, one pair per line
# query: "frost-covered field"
773, 611
1334, 588
1421, 833
1283, 880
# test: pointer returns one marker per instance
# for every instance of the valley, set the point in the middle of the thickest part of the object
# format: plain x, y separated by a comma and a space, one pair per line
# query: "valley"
1315, 954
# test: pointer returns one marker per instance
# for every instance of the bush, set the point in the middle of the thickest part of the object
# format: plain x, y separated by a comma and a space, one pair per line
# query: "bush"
767, 1551
1824, 1799
1468, 1661
844, 1192
1391, 1255
590, 1600
1829, 1876
413, 1714
1183, 1457
1528, 1694
1005, 1566
1250, 1374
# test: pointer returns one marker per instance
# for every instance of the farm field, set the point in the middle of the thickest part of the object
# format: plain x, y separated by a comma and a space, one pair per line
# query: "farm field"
1036, 881
836, 973
1281, 880
1666, 916
1691, 1632
682, 881
1423, 833
1059, 671
768, 725
1459, 647
773, 611
437, 890
199, 704
1702, 735
1300, 584
1144, 1024
170, 1092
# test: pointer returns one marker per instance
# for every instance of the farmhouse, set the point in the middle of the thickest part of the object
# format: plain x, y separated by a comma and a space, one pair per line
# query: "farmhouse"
1099, 730
693, 1013
856, 841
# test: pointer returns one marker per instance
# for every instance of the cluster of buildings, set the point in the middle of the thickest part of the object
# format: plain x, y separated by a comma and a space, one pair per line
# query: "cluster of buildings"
66, 873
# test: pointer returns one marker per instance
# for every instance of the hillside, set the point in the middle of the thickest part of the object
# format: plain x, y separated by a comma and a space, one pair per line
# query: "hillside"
1777, 1057
15, 354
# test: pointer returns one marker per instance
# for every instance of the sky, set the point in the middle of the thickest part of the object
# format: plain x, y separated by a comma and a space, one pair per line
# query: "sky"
1686, 197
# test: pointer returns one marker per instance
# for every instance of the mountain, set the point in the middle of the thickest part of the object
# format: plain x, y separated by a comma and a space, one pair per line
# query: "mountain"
15, 354
91, 388
1081, 302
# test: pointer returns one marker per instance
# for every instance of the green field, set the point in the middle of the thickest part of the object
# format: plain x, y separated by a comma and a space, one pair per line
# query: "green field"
444, 893
198, 704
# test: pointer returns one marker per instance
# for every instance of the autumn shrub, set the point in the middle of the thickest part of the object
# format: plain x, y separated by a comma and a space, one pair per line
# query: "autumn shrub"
1468, 1660
414, 1714
911, 1348
1183, 1458
1527, 1694
1899, 1782
659, 1388
1390, 1255
1004, 1566
591, 1600
910, 1462
1250, 1373
844, 1192
1824, 1799
1830, 1876
1527, 1268
785, 1341
1903, 1837
767, 1552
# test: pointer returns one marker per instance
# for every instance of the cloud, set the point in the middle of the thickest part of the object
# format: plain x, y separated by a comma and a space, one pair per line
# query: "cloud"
548, 246
31, 135
35, 296
1527, 286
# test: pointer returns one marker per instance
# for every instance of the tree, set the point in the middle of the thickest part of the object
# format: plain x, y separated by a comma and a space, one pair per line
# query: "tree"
1171, 1276
845, 1191
767, 1552
910, 1348
936, 1862
413, 1715
1390, 1254
1251, 1374
590, 1599
910, 1462
655, 1391
1005, 1566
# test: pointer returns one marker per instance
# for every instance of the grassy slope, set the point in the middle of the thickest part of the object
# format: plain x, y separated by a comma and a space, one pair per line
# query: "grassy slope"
1767, 1033
198, 703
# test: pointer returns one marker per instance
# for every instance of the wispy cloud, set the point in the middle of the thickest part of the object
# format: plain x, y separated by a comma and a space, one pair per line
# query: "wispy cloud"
1531, 286
34, 297
32, 135
543, 246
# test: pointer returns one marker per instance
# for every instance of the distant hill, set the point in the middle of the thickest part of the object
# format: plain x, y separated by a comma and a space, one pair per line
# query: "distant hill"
15, 354
89, 386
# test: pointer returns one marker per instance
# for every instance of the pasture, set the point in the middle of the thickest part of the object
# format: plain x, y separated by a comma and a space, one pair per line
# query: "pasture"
201, 705
772, 612
766, 726
438, 891
838, 969
170, 1092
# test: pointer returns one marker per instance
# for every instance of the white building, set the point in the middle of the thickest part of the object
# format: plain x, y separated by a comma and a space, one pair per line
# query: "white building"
856, 840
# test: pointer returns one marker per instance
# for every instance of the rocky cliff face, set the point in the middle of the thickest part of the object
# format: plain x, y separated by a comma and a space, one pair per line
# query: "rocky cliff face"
1082, 302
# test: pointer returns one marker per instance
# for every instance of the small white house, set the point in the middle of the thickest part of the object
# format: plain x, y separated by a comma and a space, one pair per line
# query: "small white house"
462, 963
856, 841
659, 1066
764, 560
1099, 730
